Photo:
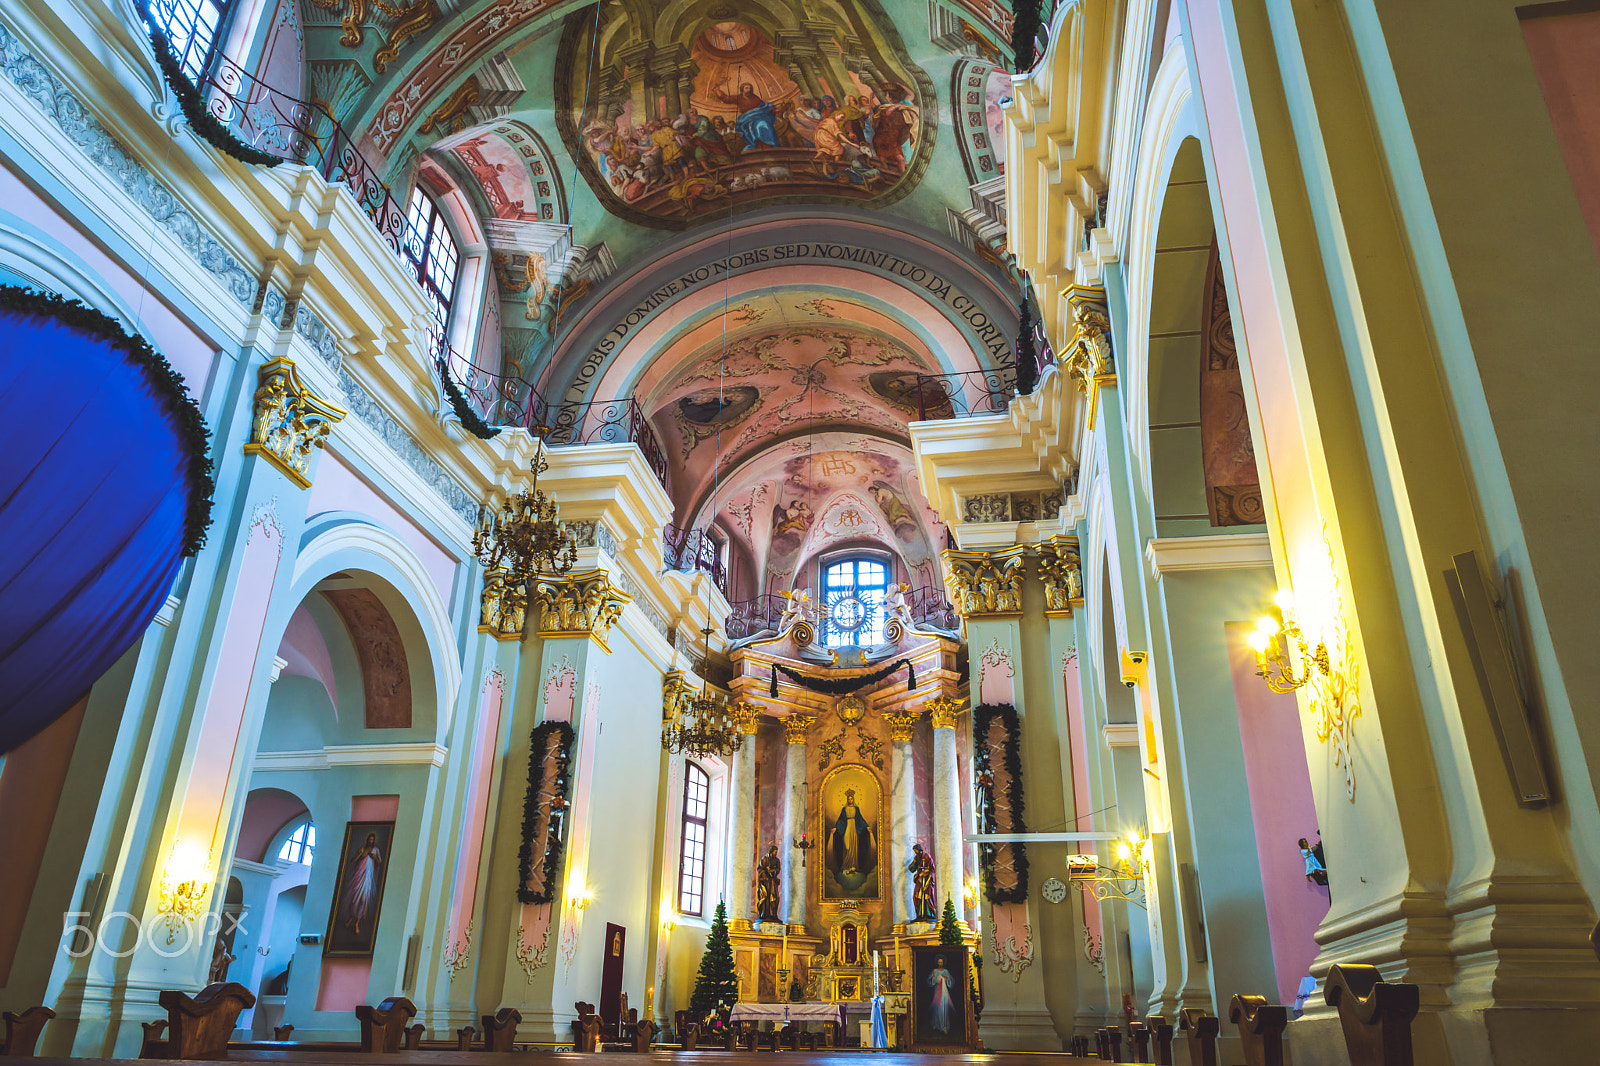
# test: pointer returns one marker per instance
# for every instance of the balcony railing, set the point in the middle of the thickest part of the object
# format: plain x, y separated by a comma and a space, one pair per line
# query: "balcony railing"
749, 617
930, 607
694, 549
975, 392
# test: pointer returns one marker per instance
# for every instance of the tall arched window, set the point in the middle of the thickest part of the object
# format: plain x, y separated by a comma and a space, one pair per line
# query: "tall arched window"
853, 591
431, 251
190, 27
692, 861
299, 845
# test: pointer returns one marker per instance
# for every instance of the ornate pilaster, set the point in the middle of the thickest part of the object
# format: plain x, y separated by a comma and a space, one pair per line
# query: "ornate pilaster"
582, 604
743, 842
290, 420
947, 849
1088, 358
985, 584
1062, 575
794, 815
503, 605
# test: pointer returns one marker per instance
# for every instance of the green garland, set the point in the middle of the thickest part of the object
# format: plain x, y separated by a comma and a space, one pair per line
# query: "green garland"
193, 436
1024, 31
983, 717
200, 120
559, 733
841, 686
464, 412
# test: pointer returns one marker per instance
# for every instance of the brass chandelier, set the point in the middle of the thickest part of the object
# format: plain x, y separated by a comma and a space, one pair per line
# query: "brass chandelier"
526, 536
703, 724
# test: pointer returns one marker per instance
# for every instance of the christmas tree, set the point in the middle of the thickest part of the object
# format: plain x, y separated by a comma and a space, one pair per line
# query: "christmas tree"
716, 987
949, 931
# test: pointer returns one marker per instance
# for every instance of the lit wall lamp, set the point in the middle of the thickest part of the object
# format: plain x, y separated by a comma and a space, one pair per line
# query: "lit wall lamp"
185, 883
1272, 639
971, 893
582, 898
1124, 880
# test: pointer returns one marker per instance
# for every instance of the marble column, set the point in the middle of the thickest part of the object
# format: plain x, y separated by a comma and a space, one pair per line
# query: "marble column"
743, 844
794, 817
947, 846
902, 809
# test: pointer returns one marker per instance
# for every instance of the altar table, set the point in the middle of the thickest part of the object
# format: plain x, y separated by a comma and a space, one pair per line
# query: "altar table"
787, 1012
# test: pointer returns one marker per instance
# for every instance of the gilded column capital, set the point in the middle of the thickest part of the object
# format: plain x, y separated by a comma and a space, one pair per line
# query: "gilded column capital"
290, 420
503, 605
581, 604
985, 583
943, 711
796, 725
746, 717
1062, 574
902, 723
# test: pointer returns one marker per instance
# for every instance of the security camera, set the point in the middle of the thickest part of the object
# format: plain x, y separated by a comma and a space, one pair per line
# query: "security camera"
1132, 666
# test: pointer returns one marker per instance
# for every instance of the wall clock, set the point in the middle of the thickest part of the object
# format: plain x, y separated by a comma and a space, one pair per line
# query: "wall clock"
1053, 890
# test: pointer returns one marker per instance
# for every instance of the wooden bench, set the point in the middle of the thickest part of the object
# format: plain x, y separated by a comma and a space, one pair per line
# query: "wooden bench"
1201, 1027
384, 1027
500, 1029
282, 1032
1080, 1046
1261, 1026
1161, 1036
198, 1026
586, 1029
1375, 1015
22, 1031
464, 1037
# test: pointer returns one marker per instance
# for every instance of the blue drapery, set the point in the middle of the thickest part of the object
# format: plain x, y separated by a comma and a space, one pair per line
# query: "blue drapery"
96, 490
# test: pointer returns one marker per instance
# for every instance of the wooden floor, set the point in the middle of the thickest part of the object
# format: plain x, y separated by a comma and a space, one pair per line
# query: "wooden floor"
520, 1058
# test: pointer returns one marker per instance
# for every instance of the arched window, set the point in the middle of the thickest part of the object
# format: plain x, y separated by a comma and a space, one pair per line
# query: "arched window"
692, 860
431, 251
853, 591
191, 29
300, 844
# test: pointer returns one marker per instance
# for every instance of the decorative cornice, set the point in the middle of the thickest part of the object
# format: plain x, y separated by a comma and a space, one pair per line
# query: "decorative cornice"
584, 604
419, 754
943, 711
290, 421
795, 726
902, 723
1062, 574
985, 584
1174, 555
1121, 734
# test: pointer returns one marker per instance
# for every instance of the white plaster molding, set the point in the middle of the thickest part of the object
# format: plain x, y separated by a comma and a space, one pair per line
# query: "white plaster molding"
168, 611
266, 869
1121, 734
1174, 555
278, 663
415, 754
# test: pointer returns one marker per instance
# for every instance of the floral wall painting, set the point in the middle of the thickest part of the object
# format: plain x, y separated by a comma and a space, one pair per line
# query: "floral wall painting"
358, 890
689, 109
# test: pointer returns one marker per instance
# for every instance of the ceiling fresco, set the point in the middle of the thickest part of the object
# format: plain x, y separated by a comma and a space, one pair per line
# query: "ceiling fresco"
674, 114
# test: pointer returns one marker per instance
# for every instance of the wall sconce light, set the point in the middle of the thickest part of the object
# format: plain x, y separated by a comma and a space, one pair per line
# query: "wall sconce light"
185, 883
971, 893
581, 898
1124, 880
1272, 639
668, 925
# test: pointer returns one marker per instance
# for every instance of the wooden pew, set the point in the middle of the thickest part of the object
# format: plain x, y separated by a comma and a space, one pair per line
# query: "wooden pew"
730, 1036
1261, 1026
414, 1036
1201, 1027
22, 1031
1080, 1046
586, 1029
282, 1032
1161, 1036
464, 1037
199, 1025
1140, 1038
383, 1028
500, 1029
154, 1047
1114, 1040
644, 1032
688, 1029
1375, 1015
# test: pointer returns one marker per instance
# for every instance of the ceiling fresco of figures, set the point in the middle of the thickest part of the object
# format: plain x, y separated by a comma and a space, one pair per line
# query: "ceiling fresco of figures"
677, 115
810, 495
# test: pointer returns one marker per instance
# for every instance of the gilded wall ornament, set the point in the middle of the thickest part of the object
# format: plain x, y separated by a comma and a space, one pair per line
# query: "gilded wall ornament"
796, 725
870, 749
850, 709
985, 583
582, 604
902, 723
409, 21
1062, 575
943, 711
830, 751
746, 717
290, 421
1088, 356
503, 606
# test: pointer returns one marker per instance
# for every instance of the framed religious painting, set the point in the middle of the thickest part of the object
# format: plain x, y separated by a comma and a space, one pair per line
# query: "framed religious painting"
358, 890
851, 834
941, 999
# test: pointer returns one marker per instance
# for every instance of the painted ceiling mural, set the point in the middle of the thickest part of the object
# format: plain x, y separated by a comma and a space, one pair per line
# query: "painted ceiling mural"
675, 116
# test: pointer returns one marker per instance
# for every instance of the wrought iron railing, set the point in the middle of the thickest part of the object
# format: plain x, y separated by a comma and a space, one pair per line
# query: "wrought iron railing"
930, 607
974, 392
694, 549
749, 617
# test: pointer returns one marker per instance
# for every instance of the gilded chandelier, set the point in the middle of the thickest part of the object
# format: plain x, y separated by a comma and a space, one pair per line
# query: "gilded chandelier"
526, 536
699, 725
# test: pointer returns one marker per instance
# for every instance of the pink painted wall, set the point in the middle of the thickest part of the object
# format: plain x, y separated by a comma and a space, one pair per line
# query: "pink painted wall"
189, 353
1564, 48
1282, 810
470, 848
1078, 748
339, 488
306, 653
343, 986
230, 686
281, 55
266, 811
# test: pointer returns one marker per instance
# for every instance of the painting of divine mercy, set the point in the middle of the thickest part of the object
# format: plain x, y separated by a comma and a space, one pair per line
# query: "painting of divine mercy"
851, 813
674, 119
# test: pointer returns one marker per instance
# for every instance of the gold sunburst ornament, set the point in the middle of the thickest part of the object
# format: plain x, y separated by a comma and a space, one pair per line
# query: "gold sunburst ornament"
526, 536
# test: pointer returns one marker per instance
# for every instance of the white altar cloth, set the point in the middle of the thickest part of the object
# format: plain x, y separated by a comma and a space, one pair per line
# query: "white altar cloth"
787, 1012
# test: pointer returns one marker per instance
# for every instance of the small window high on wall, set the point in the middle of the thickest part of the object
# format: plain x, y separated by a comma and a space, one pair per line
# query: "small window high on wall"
299, 845
853, 591
431, 251
191, 29
692, 860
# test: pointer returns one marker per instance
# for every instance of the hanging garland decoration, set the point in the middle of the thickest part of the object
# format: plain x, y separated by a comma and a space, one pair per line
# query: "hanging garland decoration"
464, 412
167, 384
842, 686
1027, 354
997, 758
194, 110
544, 812
1024, 32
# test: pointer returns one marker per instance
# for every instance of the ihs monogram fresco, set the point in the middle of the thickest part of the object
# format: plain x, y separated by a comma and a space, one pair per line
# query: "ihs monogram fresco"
691, 110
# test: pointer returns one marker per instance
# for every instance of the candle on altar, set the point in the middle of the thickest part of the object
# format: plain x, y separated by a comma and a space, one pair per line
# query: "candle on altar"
783, 962
649, 1003
875, 971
